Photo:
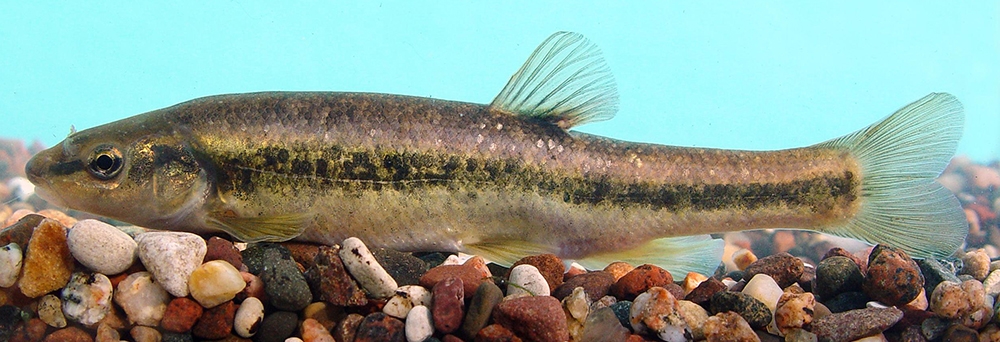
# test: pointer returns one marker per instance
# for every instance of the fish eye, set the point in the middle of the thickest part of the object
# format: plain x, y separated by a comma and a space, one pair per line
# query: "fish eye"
106, 162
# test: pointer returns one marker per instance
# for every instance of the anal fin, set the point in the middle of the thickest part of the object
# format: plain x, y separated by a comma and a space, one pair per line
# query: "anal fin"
275, 228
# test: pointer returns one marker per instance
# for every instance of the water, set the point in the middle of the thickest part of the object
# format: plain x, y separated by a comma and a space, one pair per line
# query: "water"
747, 76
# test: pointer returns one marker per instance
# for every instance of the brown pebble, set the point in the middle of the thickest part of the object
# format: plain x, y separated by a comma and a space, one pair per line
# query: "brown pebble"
48, 263
855, 324
215, 323
549, 265
960, 333
330, 281
31, 331
596, 284
618, 269
106, 333
71, 334
784, 268
728, 326
142, 333
893, 277
302, 253
312, 331
703, 293
496, 333
470, 274
348, 327
222, 249
379, 327
181, 315
61, 217
639, 280
538, 318
447, 308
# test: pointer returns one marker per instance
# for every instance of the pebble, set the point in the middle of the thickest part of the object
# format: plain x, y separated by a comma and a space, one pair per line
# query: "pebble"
992, 283
847, 301
596, 284
526, 278
756, 313
221, 249
217, 322
486, 297
380, 327
405, 268
639, 280
602, 325
348, 327
87, 297
549, 266
855, 324
540, 317
618, 269
171, 257
960, 333
360, 262
70, 334
143, 300
419, 325
248, 317
976, 263
893, 277
729, 326
496, 333
448, 304
795, 311
471, 276
695, 316
141, 333
743, 258
330, 282
935, 272
837, 274
783, 267
181, 314
703, 292
284, 285
656, 311
764, 289
406, 297
101, 247
312, 331
10, 264
106, 333
48, 263
691, 281
50, 311
215, 282
278, 326
325, 314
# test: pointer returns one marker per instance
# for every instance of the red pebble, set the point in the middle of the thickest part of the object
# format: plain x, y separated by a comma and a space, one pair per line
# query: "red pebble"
216, 322
181, 315
639, 280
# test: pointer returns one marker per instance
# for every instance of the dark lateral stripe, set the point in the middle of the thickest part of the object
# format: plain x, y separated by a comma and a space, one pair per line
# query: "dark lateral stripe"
65, 168
354, 171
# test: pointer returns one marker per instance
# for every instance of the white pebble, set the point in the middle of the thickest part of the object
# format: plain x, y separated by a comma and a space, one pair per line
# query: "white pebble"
577, 304
406, 297
452, 260
143, 300
526, 278
992, 283
171, 257
101, 247
360, 262
50, 311
215, 282
765, 289
293, 339
248, 317
87, 297
10, 264
635, 313
419, 326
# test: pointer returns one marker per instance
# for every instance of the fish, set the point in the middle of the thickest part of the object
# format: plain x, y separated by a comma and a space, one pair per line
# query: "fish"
502, 180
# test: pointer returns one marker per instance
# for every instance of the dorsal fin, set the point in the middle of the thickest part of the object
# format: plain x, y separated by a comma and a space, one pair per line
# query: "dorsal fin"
565, 82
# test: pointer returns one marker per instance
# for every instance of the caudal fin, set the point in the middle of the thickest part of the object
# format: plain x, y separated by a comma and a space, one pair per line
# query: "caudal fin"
902, 205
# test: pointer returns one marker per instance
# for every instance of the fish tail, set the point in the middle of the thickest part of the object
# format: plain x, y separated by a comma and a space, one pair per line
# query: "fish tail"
901, 204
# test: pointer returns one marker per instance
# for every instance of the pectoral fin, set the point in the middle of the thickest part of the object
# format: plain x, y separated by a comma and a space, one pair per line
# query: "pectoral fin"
275, 228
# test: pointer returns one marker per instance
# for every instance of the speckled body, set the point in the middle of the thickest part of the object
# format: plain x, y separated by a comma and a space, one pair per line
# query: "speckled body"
422, 174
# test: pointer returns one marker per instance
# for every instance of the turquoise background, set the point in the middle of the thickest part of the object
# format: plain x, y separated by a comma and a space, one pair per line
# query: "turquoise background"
760, 75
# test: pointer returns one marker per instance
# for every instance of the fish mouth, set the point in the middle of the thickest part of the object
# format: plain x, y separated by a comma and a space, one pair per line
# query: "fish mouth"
35, 171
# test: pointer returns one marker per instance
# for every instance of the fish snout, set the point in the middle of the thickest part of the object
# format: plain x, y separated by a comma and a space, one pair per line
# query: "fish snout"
35, 168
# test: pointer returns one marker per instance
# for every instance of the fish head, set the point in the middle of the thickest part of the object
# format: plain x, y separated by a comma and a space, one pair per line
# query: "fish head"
129, 170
